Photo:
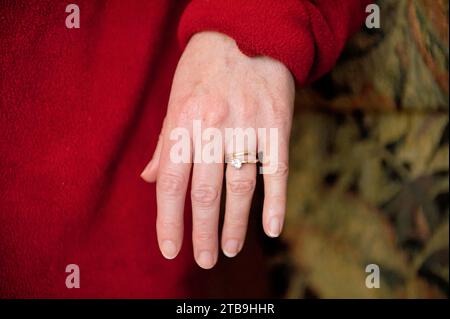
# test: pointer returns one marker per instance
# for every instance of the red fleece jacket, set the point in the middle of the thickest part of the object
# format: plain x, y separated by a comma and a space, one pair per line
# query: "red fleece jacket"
80, 113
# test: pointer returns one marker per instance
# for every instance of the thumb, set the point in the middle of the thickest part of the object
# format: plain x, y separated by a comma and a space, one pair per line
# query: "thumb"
151, 170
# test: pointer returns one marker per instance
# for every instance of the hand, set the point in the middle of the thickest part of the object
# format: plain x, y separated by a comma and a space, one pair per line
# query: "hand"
222, 88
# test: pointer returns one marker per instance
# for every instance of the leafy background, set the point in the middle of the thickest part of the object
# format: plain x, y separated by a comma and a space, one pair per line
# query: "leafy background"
369, 166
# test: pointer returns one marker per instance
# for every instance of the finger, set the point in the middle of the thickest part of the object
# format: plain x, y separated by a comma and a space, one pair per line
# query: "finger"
240, 185
171, 185
205, 195
275, 173
150, 172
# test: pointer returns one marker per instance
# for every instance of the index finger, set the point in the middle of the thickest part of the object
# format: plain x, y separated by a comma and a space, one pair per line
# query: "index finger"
171, 186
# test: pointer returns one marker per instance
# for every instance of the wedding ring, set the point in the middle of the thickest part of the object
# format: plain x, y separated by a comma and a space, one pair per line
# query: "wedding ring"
237, 159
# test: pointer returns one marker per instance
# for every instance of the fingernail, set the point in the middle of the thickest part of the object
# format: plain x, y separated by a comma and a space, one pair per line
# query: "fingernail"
231, 248
205, 260
168, 249
274, 227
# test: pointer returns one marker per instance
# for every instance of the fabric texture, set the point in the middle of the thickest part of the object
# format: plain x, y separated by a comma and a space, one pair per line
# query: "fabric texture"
307, 36
80, 113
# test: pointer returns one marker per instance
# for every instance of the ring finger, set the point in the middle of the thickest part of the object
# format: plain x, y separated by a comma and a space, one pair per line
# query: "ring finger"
240, 184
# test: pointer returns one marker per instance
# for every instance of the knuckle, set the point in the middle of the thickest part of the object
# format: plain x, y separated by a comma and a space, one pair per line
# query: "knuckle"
171, 184
183, 111
183, 117
237, 223
279, 113
204, 236
248, 111
216, 118
204, 195
279, 118
282, 170
200, 109
170, 224
242, 187
277, 199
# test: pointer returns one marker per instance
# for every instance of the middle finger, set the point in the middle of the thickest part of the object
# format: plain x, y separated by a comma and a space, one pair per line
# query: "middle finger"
205, 197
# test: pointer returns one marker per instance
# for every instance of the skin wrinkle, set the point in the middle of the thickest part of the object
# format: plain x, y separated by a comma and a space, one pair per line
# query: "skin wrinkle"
204, 195
171, 184
241, 186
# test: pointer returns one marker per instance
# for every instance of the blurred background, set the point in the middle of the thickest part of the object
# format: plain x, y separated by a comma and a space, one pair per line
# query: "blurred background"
369, 173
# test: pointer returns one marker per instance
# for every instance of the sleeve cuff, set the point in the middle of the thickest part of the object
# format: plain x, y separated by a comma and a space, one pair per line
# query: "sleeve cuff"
296, 32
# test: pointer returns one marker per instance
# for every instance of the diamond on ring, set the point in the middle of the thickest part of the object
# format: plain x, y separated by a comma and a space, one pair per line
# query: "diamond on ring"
236, 163
238, 159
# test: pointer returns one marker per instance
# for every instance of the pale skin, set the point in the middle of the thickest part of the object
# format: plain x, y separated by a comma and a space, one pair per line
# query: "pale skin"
216, 83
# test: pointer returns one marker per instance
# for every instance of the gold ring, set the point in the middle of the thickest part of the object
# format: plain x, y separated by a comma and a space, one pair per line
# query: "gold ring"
237, 159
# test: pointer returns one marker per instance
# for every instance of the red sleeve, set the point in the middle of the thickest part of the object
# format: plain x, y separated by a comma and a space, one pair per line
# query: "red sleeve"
306, 35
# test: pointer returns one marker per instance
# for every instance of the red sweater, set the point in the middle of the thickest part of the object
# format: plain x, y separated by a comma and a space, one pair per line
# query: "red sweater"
80, 112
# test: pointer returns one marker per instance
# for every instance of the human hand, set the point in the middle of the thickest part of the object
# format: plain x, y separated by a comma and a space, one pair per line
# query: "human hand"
216, 84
